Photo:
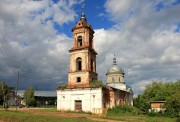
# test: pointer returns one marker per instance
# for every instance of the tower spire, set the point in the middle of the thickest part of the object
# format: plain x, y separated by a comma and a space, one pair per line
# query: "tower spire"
114, 60
83, 14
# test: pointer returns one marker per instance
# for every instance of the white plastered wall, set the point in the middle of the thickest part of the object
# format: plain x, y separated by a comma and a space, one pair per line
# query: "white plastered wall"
91, 98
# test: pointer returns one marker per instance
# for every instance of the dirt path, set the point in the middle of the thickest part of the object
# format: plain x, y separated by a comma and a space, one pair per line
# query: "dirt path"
63, 114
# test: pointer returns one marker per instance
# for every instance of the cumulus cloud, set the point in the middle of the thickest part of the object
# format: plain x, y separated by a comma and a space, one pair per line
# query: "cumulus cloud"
144, 40
29, 42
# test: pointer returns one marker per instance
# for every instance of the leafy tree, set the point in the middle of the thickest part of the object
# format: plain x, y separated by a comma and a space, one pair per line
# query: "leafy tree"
5, 90
159, 91
29, 97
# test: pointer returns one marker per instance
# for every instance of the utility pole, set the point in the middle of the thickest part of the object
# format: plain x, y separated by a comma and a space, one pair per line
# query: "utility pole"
17, 89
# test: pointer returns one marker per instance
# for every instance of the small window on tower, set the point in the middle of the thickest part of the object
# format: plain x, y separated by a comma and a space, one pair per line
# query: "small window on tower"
78, 79
79, 41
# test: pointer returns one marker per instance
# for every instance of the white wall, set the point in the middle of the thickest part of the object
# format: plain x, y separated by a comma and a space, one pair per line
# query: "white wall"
91, 98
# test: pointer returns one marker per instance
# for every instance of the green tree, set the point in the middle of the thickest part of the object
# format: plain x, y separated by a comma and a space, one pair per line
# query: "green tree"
159, 91
29, 97
5, 90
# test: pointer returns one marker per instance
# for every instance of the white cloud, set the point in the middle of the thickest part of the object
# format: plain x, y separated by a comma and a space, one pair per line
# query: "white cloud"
32, 44
143, 39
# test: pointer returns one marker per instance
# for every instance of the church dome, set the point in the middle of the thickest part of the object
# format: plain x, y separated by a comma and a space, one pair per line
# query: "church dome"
82, 23
115, 69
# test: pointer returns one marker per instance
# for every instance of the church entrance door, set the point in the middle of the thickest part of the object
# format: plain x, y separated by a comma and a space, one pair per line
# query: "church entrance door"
78, 105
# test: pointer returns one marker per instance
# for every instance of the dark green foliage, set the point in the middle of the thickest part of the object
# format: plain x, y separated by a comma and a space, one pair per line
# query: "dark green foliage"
123, 109
96, 83
41, 101
29, 97
170, 113
153, 113
5, 91
159, 91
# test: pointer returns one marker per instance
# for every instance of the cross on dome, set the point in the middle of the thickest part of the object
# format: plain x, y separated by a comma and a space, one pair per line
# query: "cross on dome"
83, 14
114, 60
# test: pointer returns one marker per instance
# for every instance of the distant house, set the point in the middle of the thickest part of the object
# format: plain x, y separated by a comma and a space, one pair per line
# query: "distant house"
157, 106
43, 98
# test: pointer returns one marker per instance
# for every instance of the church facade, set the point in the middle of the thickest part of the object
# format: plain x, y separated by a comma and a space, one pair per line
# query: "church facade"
79, 94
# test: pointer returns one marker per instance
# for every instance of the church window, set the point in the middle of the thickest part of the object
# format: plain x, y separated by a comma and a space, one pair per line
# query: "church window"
78, 64
90, 42
91, 64
78, 79
79, 41
119, 79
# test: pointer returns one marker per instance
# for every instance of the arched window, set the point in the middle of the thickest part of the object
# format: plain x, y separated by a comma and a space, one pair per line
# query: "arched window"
91, 64
79, 41
78, 64
90, 42
119, 79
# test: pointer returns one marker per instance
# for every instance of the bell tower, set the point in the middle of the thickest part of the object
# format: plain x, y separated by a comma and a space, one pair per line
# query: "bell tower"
82, 56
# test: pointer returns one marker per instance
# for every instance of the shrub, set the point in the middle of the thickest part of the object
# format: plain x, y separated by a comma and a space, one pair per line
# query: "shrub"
61, 87
170, 113
154, 113
123, 109
96, 83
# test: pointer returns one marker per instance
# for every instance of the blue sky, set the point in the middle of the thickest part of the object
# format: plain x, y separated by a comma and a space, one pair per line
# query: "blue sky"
95, 13
35, 37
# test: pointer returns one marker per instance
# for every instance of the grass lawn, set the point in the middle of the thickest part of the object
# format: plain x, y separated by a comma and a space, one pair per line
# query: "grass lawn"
18, 116
50, 115
142, 118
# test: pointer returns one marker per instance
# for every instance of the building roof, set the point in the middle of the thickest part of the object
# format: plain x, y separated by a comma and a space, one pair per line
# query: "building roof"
121, 86
158, 102
115, 69
40, 93
82, 23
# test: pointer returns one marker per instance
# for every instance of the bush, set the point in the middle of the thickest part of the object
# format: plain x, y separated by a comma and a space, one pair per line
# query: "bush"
123, 109
96, 83
178, 119
166, 113
154, 113
170, 113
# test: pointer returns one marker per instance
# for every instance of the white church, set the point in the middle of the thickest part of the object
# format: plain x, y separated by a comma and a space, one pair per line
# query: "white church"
80, 94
